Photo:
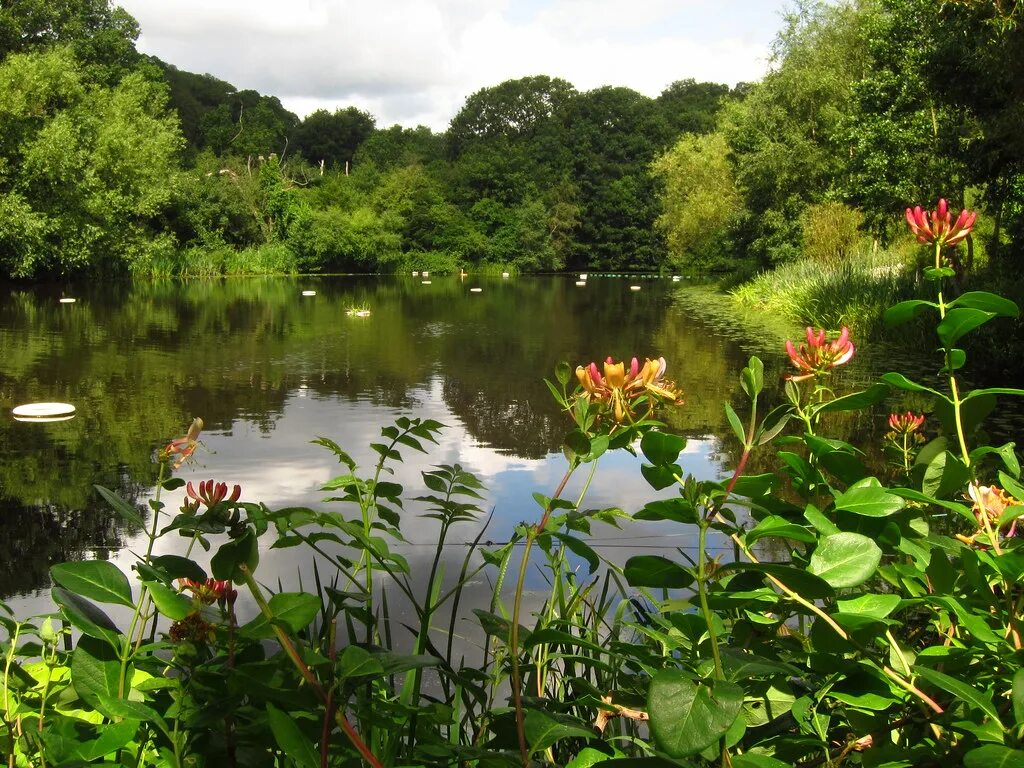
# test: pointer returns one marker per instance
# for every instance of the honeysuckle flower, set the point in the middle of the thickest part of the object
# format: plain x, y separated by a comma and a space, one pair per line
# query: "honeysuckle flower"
621, 389
184, 447
905, 423
990, 502
818, 356
209, 591
938, 228
211, 494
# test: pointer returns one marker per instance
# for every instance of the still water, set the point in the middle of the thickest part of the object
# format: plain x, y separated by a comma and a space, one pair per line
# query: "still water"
269, 369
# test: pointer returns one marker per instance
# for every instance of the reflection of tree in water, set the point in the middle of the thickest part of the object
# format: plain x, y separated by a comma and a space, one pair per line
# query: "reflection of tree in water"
35, 536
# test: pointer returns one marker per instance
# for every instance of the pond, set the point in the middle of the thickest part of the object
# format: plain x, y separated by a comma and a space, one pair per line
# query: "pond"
269, 368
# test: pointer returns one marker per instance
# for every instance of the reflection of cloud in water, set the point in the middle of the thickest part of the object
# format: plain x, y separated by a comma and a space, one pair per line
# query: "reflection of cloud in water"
286, 469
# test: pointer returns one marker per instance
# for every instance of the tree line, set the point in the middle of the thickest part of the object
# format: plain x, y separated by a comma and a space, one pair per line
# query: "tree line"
115, 162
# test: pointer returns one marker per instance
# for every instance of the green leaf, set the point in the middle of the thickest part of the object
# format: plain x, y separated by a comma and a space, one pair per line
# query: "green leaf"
994, 756
875, 606
589, 757
116, 708
678, 509
989, 302
656, 571
98, 580
905, 310
544, 729
876, 393
938, 273
357, 662
579, 548
752, 377
900, 381
972, 412
242, 551
736, 424
112, 737
95, 670
86, 616
751, 760
660, 476
806, 584
178, 567
290, 739
993, 391
755, 485
563, 372
170, 602
959, 322
577, 442
122, 507
1017, 694
867, 498
845, 559
961, 690
662, 448
945, 476
779, 527
294, 609
688, 715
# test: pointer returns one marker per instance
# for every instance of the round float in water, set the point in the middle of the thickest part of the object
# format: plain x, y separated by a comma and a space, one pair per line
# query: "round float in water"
66, 301
309, 293
476, 290
634, 287
581, 282
44, 412
425, 282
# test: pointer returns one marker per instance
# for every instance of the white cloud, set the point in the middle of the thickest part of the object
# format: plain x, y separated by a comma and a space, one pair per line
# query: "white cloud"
415, 61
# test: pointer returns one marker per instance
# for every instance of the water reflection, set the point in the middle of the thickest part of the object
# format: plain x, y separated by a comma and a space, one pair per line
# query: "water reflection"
269, 369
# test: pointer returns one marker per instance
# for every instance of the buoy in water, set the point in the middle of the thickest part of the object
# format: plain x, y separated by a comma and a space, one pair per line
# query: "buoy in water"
581, 282
67, 301
583, 276
415, 274
425, 282
42, 412
309, 293
504, 274
634, 287
476, 290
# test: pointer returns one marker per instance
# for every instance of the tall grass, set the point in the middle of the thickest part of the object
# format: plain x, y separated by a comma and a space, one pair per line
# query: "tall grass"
853, 293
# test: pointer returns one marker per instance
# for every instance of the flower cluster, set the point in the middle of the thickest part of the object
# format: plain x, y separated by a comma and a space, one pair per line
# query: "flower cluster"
905, 423
211, 494
622, 390
818, 357
183, 447
210, 591
938, 228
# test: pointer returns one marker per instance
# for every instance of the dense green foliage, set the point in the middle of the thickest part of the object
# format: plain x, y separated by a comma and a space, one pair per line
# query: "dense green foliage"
856, 616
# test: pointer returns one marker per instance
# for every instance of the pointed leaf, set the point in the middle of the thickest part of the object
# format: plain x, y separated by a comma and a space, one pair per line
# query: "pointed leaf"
845, 559
689, 715
98, 580
959, 322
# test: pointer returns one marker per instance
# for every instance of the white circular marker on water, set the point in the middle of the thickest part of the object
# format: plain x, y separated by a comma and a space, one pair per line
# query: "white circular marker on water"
583, 276
634, 287
309, 293
581, 282
476, 290
504, 274
47, 411
67, 301
425, 282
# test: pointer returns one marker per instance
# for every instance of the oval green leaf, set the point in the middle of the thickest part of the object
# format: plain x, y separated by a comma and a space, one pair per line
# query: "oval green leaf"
845, 559
690, 715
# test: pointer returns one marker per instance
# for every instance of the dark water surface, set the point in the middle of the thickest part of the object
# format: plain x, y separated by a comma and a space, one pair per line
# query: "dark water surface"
269, 369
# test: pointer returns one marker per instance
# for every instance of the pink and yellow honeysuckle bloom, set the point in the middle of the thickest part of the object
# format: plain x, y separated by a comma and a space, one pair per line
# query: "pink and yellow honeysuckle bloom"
938, 228
990, 502
620, 388
817, 356
209, 591
211, 494
184, 447
905, 423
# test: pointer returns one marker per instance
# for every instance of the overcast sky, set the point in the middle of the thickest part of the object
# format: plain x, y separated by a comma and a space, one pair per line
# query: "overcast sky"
415, 61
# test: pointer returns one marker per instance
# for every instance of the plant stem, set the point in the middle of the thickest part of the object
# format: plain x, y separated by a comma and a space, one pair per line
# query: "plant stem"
517, 604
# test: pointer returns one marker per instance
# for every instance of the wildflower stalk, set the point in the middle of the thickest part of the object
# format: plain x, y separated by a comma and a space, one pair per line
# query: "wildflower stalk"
517, 603
289, 648
953, 386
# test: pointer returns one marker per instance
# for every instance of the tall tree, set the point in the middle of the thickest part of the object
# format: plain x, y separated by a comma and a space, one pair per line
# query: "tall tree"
333, 138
